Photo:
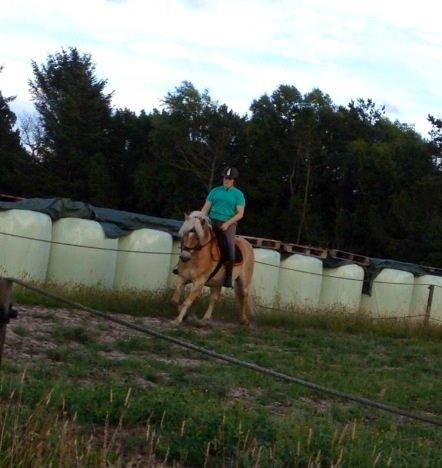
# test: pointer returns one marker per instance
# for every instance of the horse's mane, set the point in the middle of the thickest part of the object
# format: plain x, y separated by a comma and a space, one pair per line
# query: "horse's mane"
193, 221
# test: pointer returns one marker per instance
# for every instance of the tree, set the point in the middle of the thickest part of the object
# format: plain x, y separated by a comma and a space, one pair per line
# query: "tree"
436, 140
131, 153
196, 135
289, 142
75, 115
17, 170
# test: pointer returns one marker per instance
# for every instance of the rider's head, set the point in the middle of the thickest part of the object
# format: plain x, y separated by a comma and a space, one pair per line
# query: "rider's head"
230, 175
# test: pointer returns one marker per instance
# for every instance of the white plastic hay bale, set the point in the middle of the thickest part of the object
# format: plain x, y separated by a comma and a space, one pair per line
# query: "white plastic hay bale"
419, 299
265, 276
391, 294
25, 258
72, 265
300, 279
143, 271
342, 287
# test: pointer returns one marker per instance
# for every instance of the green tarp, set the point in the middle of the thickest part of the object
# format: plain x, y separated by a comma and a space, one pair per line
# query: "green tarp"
115, 223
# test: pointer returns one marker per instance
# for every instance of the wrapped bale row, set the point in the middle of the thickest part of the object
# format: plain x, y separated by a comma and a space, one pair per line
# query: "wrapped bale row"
80, 254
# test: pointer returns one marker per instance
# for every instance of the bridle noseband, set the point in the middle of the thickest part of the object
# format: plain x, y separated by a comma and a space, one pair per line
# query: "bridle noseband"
198, 246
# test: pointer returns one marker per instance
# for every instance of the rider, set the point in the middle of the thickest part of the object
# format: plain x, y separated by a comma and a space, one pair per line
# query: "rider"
225, 207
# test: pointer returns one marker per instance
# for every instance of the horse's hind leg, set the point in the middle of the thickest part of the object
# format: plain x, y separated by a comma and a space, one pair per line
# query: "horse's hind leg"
243, 296
215, 292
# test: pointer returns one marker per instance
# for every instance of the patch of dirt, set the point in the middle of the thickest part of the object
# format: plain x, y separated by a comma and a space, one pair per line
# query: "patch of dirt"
31, 334
279, 407
114, 355
182, 362
321, 406
238, 393
246, 396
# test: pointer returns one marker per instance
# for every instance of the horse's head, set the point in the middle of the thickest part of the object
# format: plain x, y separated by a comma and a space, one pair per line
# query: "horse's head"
195, 233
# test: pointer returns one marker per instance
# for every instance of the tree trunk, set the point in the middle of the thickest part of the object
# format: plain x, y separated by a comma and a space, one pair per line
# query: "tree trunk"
304, 205
212, 174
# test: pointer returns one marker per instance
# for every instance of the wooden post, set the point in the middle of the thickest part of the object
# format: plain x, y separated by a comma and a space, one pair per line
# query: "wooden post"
429, 302
5, 304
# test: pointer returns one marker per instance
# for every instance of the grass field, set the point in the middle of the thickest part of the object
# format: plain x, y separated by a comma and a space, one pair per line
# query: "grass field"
77, 391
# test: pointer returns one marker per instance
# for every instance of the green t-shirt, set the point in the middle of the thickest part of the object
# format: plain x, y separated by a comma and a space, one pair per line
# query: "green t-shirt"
224, 202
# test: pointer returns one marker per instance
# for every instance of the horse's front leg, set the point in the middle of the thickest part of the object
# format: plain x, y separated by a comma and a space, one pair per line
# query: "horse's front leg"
215, 292
178, 290
196, 291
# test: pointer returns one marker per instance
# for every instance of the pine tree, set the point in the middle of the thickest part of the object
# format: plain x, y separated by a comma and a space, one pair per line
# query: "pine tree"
75, 115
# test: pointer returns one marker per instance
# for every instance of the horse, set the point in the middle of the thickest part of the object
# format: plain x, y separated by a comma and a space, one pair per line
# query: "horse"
200, 263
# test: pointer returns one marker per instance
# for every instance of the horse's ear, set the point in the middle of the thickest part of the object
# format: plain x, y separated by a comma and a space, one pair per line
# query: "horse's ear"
186, 216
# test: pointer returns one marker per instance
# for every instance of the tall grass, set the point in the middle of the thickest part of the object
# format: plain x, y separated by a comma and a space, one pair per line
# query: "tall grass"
48, 436
147, 304
42, 437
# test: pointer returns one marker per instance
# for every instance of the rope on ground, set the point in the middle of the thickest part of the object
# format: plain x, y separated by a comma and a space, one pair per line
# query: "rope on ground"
235, 361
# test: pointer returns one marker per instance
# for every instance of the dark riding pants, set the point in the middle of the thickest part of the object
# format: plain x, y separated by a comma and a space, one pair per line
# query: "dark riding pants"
226, 239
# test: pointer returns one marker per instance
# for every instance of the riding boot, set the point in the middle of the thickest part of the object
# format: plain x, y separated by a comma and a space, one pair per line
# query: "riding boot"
228, 279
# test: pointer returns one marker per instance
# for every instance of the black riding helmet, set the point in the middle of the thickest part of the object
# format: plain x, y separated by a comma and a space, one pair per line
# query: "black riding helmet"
231, 172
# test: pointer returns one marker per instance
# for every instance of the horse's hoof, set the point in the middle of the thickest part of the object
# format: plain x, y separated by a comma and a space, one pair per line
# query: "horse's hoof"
245, 323
176, 323
207, 322
193, 320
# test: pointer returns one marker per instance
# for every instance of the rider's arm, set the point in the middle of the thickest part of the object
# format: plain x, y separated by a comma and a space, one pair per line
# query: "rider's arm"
206, 208
239, 215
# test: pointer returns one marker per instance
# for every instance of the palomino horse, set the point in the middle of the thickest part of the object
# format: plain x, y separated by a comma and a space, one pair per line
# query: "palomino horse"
199, 265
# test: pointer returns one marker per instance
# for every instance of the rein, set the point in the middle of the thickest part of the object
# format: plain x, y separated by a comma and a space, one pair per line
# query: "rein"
198, 246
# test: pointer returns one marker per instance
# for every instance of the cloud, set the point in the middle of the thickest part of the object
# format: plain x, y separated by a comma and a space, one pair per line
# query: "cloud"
238, 49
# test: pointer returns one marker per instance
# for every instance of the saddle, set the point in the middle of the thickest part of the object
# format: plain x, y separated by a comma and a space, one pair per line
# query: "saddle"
223, 253
223, 257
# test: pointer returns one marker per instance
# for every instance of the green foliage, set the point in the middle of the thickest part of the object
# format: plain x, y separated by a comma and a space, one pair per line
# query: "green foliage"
196, 136
75, 116
17, 168
342, 177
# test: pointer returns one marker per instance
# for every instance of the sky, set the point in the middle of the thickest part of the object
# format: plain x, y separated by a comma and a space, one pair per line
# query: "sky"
386, 50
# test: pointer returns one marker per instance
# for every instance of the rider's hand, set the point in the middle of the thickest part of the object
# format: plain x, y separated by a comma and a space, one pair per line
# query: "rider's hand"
224, 227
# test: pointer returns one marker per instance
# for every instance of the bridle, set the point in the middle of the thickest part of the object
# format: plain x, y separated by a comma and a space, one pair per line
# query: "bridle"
198, 246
